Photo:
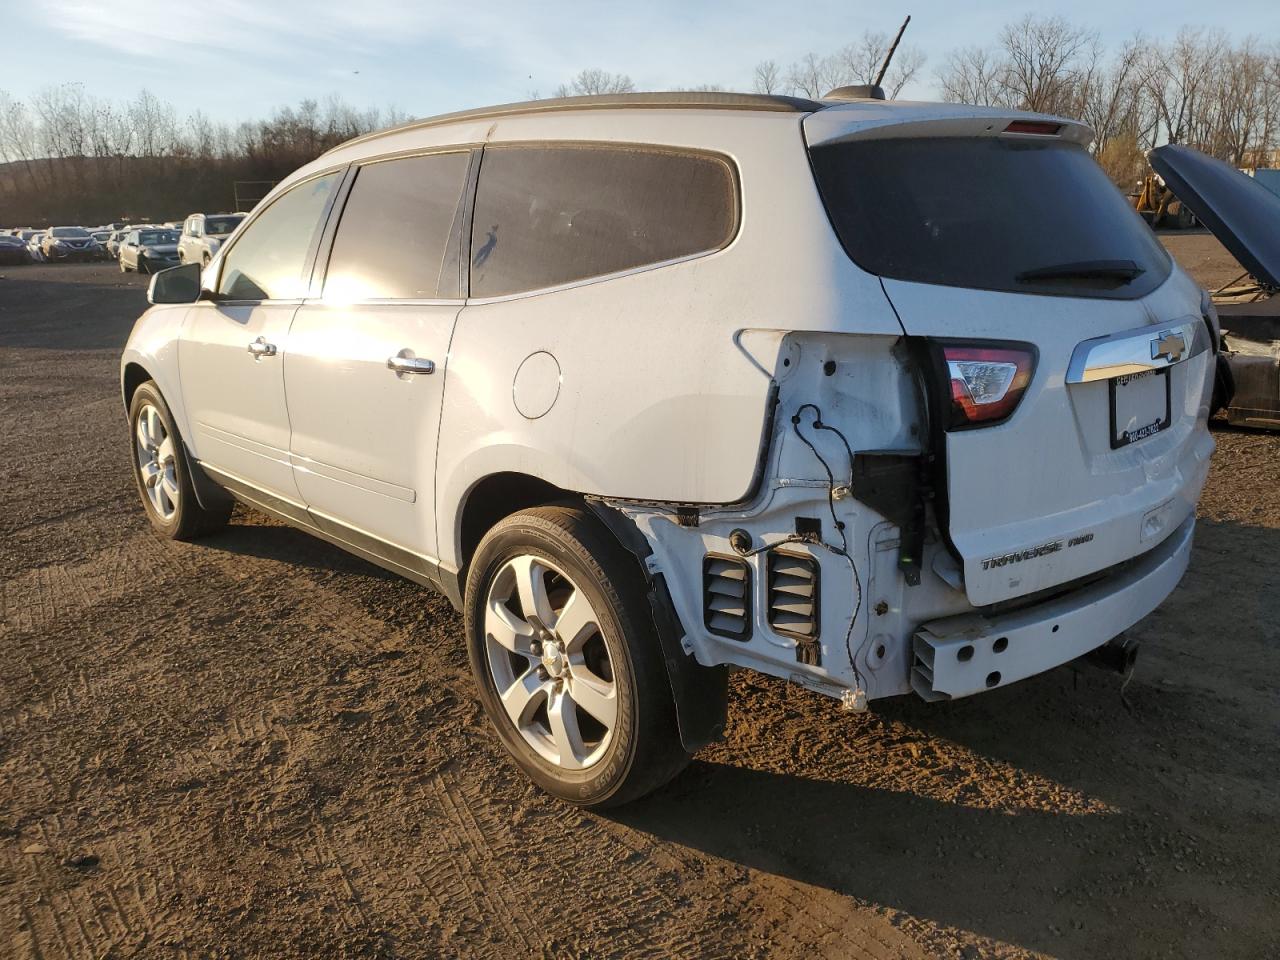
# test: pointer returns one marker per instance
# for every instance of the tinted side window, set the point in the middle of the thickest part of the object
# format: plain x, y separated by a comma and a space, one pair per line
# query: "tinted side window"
395, 230
266, 262
551, 215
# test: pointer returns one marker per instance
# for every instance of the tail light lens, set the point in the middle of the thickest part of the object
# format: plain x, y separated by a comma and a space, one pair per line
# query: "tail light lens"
986, 382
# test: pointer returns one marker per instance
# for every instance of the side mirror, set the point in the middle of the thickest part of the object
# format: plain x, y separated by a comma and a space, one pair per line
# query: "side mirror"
175, 285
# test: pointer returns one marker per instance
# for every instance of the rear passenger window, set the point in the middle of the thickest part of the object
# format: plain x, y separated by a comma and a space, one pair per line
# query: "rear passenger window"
546, 216
396, 228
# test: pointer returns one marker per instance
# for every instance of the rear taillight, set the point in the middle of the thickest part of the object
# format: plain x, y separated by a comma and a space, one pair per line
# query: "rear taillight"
986, 382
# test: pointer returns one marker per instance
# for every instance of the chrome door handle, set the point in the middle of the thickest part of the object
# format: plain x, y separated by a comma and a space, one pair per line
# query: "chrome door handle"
411, 365
260, 348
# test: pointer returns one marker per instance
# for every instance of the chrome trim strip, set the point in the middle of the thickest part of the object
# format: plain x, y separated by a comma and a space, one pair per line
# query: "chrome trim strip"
208, 432
359, 481
1137, 351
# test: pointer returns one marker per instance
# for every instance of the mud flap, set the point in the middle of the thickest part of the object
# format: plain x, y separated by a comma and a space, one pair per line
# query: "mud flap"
701, 693
208, 494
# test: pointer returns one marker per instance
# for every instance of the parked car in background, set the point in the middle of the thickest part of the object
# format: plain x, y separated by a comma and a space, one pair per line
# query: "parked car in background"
13, 249
149, 249
102, 236
114, 241
69, 243
952, 450
204, 233
35, 246
1245, 216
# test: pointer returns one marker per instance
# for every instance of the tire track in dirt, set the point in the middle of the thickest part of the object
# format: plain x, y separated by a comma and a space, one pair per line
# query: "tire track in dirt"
478, 871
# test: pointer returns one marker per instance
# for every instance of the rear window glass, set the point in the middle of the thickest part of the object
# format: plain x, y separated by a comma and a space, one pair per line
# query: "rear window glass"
546, 216
990, 213
220, 225
396, 228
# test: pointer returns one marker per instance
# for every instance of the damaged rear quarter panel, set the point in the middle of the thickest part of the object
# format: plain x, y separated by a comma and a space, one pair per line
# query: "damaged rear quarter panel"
865, 386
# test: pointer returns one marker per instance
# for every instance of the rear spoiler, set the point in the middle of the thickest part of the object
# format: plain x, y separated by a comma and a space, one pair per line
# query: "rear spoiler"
872, 120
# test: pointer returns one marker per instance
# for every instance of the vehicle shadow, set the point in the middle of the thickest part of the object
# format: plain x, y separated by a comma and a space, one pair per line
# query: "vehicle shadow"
1053, 815
955, 865
252, 534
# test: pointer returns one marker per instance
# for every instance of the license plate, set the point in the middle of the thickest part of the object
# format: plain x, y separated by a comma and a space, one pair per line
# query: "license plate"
1139, 406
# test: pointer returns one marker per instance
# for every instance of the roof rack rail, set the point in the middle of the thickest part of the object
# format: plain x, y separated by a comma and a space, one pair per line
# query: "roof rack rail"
674, 100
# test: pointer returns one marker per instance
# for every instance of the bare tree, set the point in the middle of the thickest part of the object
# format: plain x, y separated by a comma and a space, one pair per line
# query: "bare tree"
856, 63
18, 136
1176, 77
768, 77
596, 81
905, 67
860, 62
973, 75
1043, 62
811, 76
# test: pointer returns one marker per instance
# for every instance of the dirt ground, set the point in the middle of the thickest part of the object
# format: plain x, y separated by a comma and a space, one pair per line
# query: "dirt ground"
260, 746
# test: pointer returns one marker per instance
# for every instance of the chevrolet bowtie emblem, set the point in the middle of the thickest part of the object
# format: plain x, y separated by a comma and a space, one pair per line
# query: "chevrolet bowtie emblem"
1169, 345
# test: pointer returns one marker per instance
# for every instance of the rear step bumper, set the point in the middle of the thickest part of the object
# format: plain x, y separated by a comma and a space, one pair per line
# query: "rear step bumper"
968, 654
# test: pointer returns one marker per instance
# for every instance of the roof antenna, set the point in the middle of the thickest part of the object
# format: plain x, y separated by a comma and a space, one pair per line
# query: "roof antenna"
884, 67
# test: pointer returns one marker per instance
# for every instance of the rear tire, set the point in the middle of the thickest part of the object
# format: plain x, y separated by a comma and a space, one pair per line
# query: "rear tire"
161, 473
577, 687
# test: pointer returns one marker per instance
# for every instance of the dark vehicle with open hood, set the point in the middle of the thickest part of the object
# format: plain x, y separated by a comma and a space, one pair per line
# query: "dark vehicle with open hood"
1245, 216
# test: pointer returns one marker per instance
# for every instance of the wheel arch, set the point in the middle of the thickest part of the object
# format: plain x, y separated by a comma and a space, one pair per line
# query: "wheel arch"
132, 376
700, 693
495, 497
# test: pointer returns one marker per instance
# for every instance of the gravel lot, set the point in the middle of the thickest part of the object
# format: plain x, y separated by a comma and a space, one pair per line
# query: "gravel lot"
259, 746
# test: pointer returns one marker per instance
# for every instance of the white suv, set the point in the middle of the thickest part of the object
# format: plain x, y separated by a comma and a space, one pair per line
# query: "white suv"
203, 233
876, 397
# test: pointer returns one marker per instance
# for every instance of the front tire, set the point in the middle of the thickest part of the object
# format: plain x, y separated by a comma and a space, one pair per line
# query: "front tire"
160, 472
567, 661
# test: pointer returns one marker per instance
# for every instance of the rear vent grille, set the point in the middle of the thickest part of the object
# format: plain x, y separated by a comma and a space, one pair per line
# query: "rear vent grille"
726, 596
793, 595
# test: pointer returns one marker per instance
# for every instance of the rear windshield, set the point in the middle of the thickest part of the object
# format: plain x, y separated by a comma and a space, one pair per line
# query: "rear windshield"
991, 213
221, 225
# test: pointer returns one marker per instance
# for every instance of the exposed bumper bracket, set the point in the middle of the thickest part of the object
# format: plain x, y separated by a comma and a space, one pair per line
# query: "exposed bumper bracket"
968, 654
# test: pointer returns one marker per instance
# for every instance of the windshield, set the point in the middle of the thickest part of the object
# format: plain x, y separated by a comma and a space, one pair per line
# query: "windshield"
216, 226
158, 236
989, 213
69, 232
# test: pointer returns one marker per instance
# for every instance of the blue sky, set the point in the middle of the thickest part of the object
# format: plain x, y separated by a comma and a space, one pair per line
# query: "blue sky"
239, 59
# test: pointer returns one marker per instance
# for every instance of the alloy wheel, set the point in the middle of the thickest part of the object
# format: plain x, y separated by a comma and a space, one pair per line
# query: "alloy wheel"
157, 462
550, 661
